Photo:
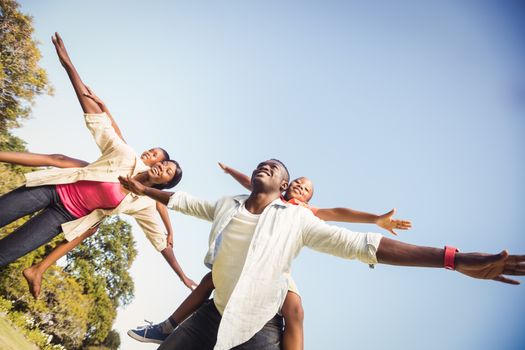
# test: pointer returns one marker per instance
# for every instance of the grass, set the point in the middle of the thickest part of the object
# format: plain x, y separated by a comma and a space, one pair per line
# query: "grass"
11, 339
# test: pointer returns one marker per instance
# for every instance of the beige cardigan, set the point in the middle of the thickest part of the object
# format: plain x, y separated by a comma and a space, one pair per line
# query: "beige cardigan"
117, 159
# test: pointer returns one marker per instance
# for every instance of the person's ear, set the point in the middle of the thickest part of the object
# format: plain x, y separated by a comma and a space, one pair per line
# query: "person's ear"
284, 186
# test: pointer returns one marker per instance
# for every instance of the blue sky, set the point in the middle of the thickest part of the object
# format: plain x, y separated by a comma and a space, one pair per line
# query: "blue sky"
417, 105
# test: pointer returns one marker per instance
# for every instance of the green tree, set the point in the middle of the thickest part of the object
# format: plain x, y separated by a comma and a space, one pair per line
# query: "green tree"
112, 341
78, 305
101, 265
108, 254
62, 309
21, 79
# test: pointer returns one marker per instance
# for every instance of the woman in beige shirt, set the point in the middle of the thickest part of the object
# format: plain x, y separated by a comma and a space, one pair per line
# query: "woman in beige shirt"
117, 159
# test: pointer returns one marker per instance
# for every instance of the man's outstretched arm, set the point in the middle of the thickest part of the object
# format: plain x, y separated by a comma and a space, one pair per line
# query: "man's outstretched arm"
477, 265
180, 201
136, 187
373, 248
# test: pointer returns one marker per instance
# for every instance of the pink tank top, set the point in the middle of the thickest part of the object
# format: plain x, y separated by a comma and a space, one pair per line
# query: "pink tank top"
82, 197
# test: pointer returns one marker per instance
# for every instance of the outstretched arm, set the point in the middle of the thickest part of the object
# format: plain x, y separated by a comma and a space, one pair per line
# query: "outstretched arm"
349, 215
168, 254
136, 187
180, 201
241, 178
87, 104
477, 265
90, 94
37, 160
373, 248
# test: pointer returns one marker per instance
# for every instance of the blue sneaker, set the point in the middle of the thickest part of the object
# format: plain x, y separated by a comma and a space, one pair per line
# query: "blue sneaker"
151, 333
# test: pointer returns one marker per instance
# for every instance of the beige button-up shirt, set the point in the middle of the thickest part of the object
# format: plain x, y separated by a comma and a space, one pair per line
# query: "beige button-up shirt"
117, 159
282, 231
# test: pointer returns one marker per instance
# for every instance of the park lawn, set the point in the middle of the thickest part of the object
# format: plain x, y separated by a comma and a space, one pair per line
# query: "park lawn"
11, 339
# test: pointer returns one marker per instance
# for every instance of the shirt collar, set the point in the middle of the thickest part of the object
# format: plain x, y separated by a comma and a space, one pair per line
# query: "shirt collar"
278, 202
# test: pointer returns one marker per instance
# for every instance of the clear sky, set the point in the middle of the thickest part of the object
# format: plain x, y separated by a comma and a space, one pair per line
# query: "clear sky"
417, 105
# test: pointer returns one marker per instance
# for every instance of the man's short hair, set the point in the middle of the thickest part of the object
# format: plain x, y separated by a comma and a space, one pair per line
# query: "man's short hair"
285, 168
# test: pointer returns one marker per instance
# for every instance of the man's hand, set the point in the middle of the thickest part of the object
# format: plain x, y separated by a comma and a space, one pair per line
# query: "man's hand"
189, 283
388, 223
61, 50
491, 266
132, 185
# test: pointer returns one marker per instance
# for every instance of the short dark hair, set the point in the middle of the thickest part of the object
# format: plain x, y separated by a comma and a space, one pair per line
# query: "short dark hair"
173, 182
165, 153
285, 168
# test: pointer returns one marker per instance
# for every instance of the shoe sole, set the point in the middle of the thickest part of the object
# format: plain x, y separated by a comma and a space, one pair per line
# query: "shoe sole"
142, 339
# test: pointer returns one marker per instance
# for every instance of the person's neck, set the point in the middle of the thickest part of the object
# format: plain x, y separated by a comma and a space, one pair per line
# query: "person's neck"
143, 178
257, 201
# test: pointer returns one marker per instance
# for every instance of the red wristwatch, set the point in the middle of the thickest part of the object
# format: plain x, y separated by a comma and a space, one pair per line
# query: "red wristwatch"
450, 254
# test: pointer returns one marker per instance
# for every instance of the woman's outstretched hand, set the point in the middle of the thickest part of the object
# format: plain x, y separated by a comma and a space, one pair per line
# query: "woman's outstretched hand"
63, 56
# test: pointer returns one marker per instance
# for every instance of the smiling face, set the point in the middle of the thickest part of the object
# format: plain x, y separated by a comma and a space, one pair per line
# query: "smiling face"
153, 156
162, 172
270, 175
301, 189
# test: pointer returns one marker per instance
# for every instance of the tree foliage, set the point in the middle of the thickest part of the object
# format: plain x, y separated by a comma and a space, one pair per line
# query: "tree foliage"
108, 254
78, 304
21, 79
101, 265
112, 341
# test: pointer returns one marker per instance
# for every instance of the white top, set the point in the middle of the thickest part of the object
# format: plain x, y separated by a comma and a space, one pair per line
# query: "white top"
116, 159
283, 229
230, 259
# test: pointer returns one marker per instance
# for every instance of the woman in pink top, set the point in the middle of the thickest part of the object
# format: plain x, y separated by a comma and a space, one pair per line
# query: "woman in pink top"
64, 197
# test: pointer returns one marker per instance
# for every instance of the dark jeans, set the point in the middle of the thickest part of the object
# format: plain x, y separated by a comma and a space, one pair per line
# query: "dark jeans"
40, 229
199, 332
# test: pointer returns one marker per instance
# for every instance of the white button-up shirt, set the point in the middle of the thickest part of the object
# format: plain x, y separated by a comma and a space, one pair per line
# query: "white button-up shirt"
283, 229
117, 159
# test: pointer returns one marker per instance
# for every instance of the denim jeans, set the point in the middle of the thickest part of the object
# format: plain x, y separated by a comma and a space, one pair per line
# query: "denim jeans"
40, 229
199, 332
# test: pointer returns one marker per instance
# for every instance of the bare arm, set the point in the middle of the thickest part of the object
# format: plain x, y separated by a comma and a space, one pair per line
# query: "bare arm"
476, 265
148, 221
136, 187
346, 215
349, 215
168, 254
87, 104
163, 212
241, 178
90, 94
181, 201
37, 160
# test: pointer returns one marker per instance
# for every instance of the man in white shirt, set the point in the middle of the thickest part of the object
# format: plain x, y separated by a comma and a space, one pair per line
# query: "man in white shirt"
253, 241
